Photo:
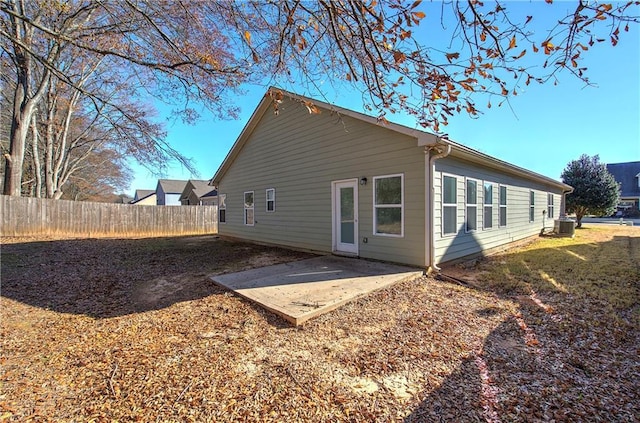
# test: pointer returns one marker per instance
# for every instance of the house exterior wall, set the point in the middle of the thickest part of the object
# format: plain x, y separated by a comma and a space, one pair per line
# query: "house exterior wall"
191, 200
462, 243
171, 200
160, 200
209, 201
299, 155
147, 201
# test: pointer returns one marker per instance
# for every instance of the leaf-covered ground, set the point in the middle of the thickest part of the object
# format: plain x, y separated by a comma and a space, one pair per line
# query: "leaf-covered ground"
133, 330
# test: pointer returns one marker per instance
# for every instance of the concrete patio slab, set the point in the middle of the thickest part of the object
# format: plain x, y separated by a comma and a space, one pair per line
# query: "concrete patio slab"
301, 290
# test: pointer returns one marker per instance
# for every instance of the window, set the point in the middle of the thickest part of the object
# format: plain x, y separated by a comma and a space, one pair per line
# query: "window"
388, 205
488, 205
222, 208
271, 199
532, 203
248, 208
502, 218
472, 205
449, 205
550, 206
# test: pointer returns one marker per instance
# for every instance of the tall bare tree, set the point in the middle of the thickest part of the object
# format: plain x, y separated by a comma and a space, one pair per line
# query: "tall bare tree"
201, 52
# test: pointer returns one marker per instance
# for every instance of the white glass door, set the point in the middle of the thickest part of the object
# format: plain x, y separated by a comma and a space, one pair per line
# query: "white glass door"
345, 216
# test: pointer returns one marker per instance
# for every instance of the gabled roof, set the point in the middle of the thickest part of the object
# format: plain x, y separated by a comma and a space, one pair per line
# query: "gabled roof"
423, 138
142, 193
211, 192
172, 186
627, 175
201, 188
151, 194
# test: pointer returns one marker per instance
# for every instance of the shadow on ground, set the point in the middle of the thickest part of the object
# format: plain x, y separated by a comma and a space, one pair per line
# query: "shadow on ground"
105, 278
569, 354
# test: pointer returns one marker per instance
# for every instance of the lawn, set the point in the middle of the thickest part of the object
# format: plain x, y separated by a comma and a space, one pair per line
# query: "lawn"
134, 330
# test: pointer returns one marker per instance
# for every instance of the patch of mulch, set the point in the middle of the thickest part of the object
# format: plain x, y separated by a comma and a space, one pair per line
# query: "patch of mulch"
134, 330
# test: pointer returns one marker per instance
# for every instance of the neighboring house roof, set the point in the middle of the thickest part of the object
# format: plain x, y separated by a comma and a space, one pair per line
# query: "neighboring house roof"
151, 194
123, 199
200, 188
426, 139
207, 193
142, 193
172, 186
627, 175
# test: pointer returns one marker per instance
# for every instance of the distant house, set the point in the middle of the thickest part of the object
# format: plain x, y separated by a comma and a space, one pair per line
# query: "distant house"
197, 192
334, 180
168, 192
144, 197
628, 176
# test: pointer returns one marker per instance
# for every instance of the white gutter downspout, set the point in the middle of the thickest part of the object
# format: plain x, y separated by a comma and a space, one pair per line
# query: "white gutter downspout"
563, 203
432, 153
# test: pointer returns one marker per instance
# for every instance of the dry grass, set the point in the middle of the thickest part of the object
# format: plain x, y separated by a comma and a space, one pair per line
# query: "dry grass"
601, 263
133, 330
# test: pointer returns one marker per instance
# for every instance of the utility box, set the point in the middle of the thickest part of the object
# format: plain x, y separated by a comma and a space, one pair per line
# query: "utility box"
564, 227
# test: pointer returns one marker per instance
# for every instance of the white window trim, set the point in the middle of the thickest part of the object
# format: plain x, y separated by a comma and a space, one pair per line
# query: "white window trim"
485, 228
220, 207
532, 206
503, 206
550, 206
467, 205
443, 205
245, 208
389, 206
266, 201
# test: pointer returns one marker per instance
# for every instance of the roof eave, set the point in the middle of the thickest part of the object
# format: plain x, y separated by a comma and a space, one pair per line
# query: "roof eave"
423, 138
264, 104
462, 152
242, 139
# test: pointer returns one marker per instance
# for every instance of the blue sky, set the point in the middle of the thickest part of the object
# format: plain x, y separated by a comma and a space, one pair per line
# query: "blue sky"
541, 129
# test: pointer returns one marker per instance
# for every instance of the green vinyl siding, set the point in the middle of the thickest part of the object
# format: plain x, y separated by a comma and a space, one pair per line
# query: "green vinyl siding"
299, 155
517, 189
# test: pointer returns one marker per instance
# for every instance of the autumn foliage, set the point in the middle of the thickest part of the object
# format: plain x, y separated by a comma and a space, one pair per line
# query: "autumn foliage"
426, 60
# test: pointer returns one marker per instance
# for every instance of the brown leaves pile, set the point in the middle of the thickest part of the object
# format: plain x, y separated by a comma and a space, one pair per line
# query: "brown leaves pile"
133, 330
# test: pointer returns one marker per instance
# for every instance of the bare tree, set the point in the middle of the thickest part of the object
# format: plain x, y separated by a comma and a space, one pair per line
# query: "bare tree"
100, 177
201, 52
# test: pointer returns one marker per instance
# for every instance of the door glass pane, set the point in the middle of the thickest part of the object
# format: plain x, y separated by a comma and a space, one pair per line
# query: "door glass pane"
347, 233
346, 204
347, 224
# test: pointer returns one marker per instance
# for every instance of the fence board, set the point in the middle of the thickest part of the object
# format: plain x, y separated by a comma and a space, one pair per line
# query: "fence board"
21, 216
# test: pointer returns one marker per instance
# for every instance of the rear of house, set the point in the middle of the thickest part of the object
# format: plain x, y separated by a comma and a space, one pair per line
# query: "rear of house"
168, 192
338, 182
144, 197
199, 193
480, 207
628, 176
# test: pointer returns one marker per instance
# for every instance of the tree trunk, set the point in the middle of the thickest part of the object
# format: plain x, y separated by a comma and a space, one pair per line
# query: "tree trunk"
580, 212
48, 151
22, 110
37, 166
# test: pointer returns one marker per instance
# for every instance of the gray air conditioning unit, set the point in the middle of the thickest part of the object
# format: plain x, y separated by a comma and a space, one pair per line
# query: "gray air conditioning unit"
564, 227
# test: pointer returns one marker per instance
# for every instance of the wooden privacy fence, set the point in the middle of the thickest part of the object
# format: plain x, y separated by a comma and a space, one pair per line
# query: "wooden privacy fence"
38, 216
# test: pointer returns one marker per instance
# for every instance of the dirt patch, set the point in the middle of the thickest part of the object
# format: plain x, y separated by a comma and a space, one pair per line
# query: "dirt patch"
105, 330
